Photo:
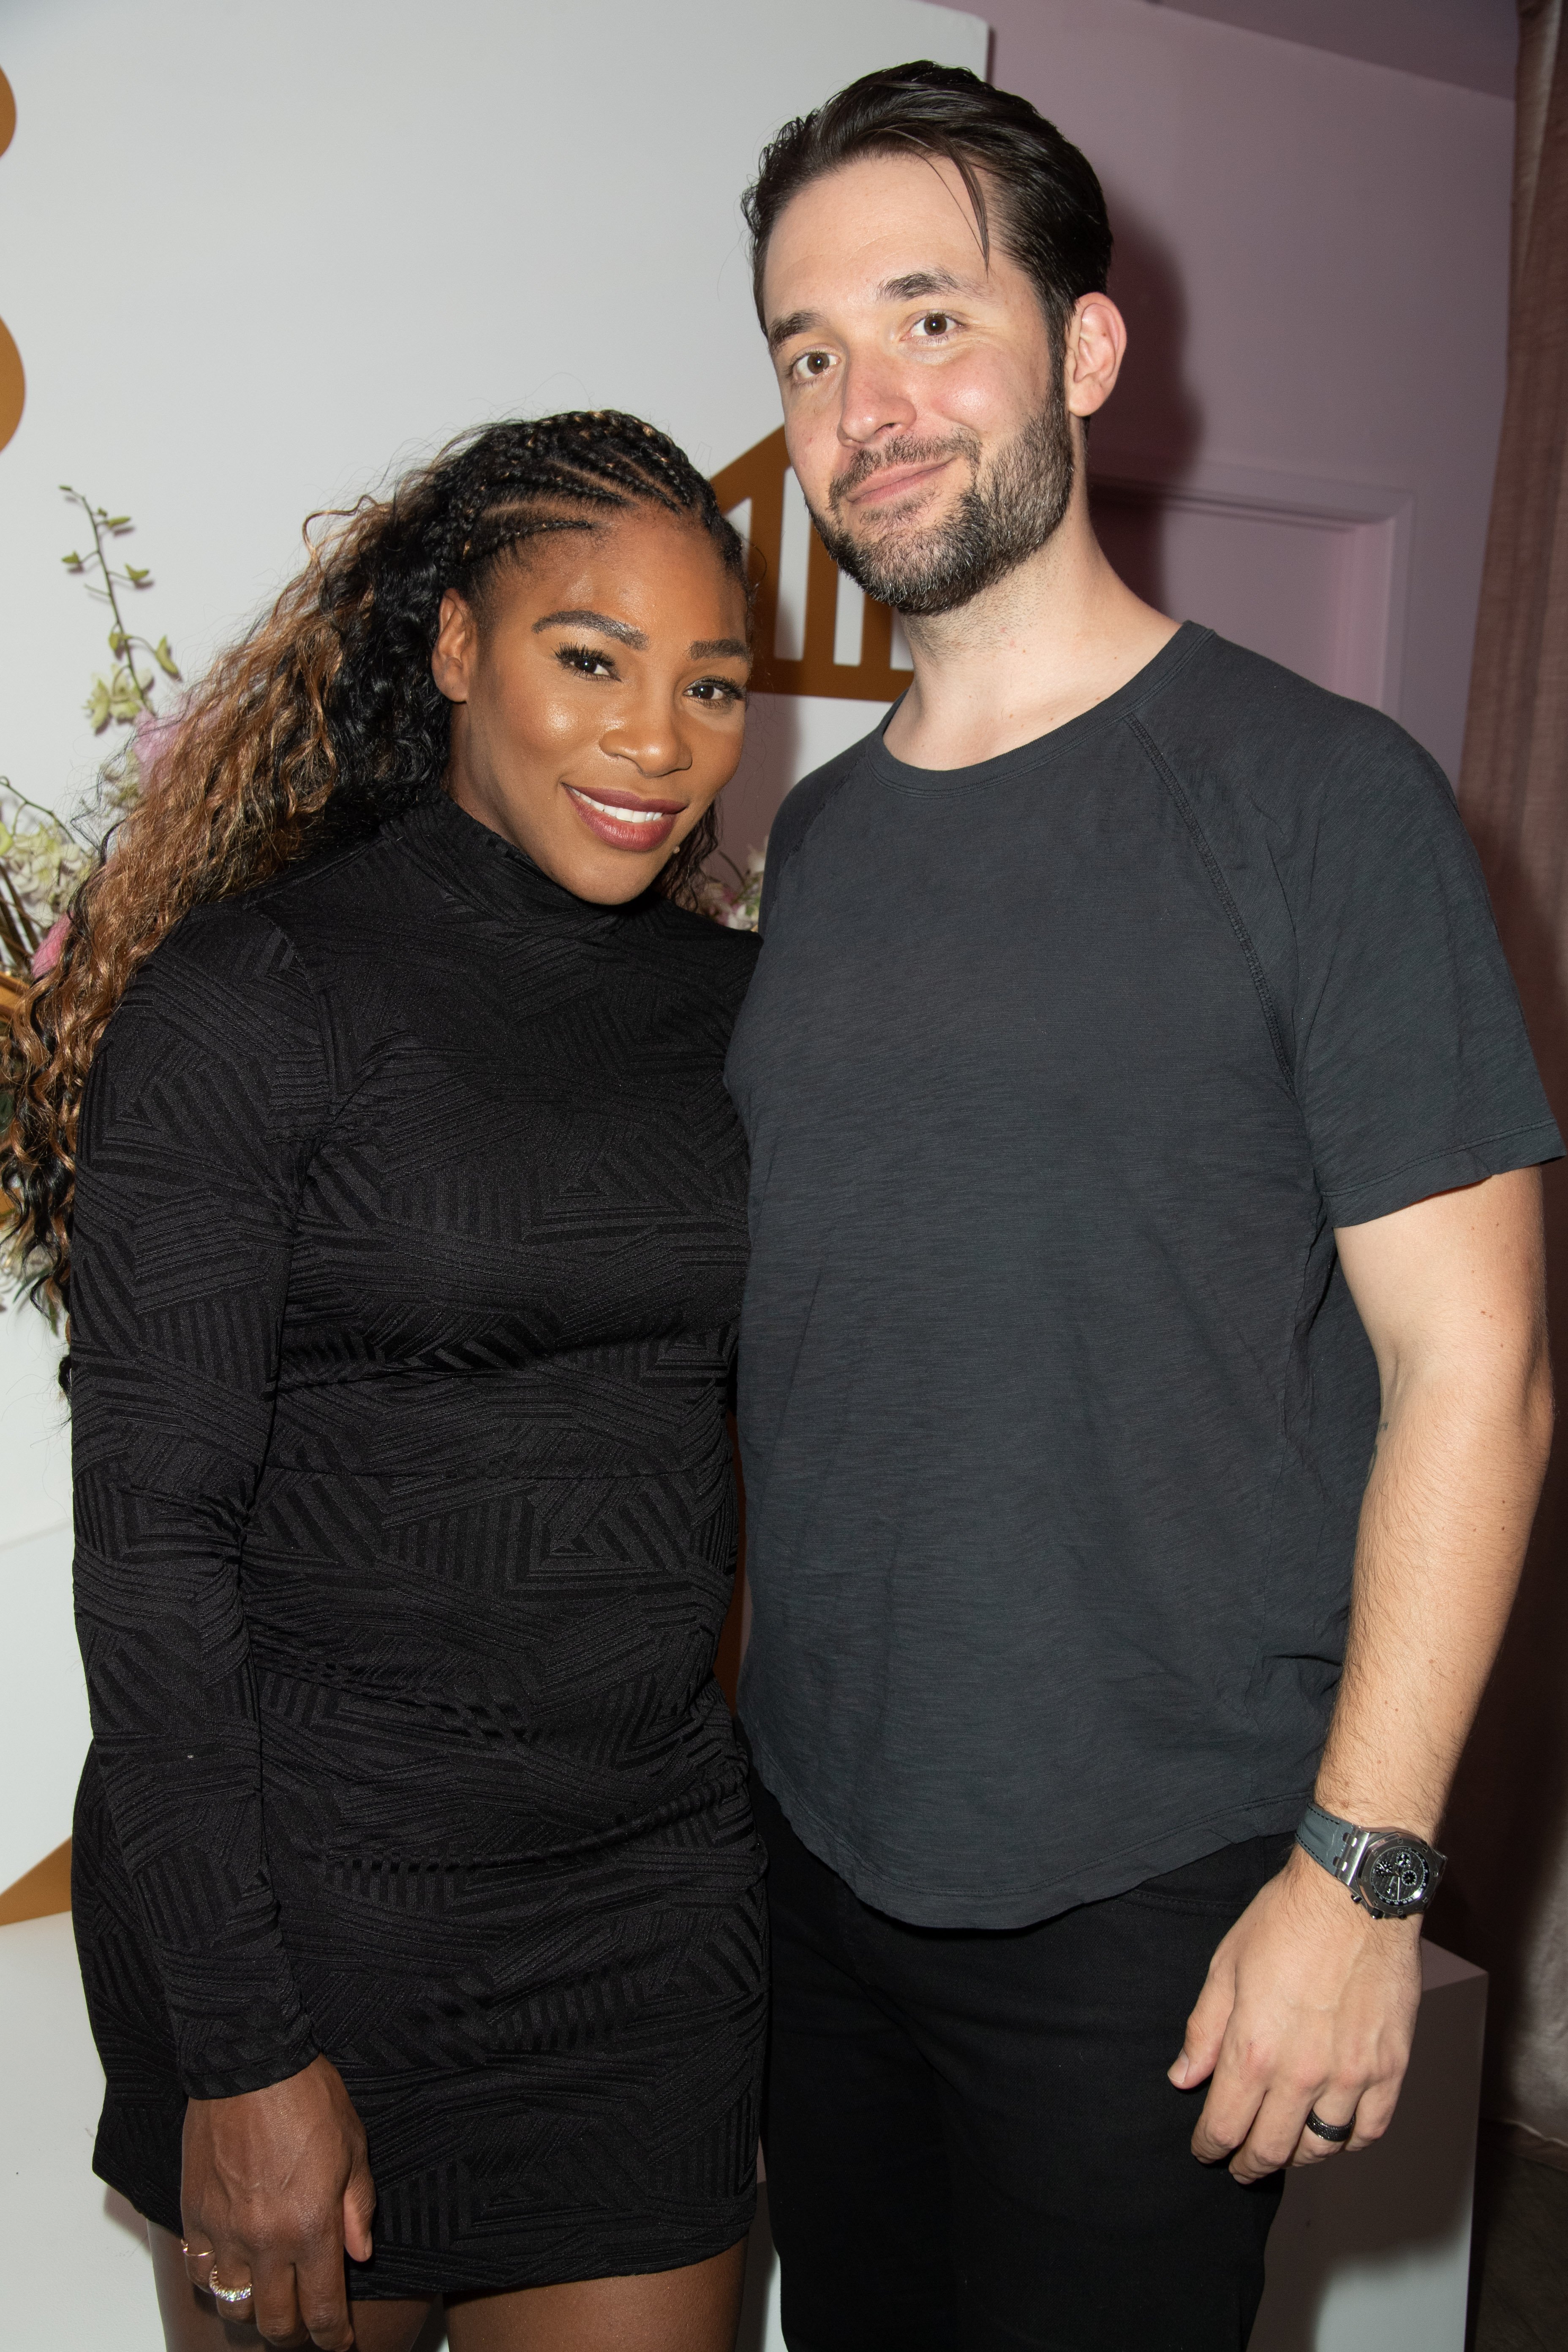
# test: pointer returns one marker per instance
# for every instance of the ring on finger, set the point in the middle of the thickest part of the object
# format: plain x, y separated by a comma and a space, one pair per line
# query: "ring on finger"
1336, 2133
227, 2295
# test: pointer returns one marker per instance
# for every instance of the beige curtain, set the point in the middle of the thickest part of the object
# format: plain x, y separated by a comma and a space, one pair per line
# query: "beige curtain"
1508, 1833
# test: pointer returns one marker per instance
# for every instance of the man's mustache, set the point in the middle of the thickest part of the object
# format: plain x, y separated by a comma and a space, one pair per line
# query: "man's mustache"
907, 452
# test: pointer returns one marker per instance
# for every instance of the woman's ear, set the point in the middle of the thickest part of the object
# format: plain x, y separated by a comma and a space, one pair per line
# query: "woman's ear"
456, 648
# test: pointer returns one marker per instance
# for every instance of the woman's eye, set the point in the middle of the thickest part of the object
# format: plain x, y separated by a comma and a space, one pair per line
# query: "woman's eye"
717, 690
585, 661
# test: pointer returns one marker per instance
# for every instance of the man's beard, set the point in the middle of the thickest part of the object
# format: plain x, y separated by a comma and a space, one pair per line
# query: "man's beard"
1003, 517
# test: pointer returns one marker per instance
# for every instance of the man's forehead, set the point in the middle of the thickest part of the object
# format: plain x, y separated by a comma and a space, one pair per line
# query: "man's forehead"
884, 228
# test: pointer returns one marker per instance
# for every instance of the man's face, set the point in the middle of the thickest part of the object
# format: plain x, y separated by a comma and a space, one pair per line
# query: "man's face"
924, 411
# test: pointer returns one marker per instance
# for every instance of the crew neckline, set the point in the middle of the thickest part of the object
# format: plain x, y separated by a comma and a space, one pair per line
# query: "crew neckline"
1058, 741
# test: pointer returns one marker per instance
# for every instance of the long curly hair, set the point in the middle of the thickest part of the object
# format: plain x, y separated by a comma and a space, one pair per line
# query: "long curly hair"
315, 728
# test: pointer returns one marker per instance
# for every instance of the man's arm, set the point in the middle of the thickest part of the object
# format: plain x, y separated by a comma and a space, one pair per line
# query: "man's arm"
1309, 2002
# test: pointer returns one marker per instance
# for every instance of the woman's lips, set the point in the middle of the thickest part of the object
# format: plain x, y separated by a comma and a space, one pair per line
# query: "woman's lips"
623, 820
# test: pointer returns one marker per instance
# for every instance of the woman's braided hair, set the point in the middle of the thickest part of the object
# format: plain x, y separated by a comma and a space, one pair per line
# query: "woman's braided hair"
319, 725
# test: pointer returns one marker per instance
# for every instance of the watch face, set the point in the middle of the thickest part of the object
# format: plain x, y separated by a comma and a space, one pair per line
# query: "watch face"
1396, 1877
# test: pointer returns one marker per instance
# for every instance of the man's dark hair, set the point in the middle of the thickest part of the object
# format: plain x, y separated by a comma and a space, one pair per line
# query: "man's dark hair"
1049, 210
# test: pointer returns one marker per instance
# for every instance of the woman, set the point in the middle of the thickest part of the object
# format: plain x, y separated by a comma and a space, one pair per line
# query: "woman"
405, 1259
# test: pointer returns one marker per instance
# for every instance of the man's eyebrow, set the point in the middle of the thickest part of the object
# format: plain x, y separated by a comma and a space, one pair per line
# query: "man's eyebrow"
581, 620
916, 283
709, 648
912, 287
798, 322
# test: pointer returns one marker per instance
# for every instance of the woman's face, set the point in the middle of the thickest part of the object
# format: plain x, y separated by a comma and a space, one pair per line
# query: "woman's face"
599, 706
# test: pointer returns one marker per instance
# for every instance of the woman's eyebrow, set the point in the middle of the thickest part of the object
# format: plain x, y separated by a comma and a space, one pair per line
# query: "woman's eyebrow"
709, 648
582, 620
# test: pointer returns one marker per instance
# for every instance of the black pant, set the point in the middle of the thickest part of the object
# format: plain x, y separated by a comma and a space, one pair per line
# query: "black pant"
970, 2142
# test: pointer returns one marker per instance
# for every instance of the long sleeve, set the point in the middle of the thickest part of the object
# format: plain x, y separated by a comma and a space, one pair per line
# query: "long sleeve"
201, 1113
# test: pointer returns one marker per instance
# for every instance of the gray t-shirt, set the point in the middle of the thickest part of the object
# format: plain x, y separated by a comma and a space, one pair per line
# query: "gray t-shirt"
1056, 1413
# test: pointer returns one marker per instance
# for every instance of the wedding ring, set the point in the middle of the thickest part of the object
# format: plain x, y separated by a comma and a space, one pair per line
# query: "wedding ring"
1338, 2133
225, 2293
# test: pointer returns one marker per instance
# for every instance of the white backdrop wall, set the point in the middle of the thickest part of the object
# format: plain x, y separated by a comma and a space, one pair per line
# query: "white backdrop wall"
257, 255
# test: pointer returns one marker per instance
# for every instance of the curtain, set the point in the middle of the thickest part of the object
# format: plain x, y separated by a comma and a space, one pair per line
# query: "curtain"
1506, 1907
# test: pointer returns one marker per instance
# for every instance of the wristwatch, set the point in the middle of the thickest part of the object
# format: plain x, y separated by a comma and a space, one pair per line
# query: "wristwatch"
1390, 1873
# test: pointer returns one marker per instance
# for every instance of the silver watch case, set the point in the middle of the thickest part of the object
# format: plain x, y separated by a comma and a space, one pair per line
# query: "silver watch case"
1392, 1874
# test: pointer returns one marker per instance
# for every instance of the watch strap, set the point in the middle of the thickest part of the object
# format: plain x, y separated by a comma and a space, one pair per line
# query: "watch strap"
1337, 1845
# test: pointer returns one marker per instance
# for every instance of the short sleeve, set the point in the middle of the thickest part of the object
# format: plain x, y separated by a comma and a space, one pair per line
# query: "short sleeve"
201, 1113
1413, 1067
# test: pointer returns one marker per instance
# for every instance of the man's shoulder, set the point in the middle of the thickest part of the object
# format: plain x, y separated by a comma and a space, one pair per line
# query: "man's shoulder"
799, 811
1232, 721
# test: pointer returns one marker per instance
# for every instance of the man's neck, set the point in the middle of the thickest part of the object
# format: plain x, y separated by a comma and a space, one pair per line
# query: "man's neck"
1056, 637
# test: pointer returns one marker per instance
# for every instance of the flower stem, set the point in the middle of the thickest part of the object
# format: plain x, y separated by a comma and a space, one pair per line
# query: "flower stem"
107, 571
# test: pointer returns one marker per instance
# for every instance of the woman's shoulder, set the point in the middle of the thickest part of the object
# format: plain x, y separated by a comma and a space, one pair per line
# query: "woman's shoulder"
291, 922
257, 964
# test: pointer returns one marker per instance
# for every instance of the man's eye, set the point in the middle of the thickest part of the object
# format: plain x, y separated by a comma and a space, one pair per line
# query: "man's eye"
812, 363
935, 323
586, 660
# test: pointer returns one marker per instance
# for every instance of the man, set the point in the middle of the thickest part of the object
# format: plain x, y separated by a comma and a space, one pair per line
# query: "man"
1144, 1138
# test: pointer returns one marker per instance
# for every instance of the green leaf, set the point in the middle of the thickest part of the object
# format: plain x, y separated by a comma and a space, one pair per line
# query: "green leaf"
98, 705
165, 660
115, 522
137, 575
116, 642
72, 560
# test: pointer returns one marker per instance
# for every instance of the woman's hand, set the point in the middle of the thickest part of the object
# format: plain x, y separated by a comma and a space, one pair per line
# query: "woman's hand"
275, 2184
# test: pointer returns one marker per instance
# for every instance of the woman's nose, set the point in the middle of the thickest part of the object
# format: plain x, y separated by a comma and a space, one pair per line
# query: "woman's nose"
649, 735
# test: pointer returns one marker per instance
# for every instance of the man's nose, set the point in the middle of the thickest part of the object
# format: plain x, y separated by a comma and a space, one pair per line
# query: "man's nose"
873, 401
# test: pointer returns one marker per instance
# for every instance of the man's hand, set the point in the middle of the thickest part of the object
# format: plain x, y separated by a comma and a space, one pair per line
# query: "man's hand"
1310, 2003
275, 2184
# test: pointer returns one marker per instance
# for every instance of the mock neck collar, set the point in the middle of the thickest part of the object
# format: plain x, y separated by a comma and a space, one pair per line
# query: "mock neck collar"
470, 858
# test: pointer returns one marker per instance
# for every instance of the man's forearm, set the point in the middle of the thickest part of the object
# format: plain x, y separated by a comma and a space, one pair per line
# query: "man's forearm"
1454, 1484
1310, 2002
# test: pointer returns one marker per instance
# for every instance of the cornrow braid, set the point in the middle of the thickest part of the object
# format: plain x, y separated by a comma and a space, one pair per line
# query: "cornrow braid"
319, 725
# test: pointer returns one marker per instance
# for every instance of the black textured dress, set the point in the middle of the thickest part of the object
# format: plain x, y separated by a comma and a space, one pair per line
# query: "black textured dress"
407, 1259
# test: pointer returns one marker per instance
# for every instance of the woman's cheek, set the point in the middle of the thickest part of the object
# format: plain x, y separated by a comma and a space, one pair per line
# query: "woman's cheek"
550, 721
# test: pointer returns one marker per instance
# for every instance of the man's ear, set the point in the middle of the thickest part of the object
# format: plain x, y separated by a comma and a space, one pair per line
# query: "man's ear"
456, 648
1096, 341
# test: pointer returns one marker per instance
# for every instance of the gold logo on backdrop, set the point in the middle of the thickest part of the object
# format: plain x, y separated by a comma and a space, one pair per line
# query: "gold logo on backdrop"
758, 478
12, 380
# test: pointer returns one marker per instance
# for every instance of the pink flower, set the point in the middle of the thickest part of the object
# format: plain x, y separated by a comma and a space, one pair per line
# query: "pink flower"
150, 739
47, 953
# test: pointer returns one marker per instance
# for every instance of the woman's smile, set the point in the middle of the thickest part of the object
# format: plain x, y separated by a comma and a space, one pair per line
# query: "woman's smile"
624, 820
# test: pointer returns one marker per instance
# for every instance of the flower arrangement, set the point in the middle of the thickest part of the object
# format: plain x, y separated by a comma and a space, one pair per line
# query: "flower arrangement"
43, 857
736, 905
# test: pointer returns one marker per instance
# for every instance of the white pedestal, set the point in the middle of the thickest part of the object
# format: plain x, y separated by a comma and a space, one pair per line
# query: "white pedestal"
74, 2265
1370, 2254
